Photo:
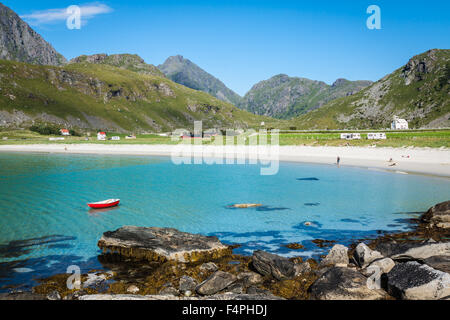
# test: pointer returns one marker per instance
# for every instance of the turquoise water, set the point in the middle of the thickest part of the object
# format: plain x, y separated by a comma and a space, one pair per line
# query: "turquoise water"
46, 225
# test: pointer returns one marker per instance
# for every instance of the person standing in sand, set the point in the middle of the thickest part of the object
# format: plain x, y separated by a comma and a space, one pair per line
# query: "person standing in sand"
338, 161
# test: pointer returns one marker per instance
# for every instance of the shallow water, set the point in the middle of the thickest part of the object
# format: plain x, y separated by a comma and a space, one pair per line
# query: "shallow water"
46, 225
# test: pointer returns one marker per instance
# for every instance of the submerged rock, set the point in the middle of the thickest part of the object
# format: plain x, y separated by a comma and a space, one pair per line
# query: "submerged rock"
438, 216
365, 256
156, 244
269, 264
217, 282
344, 284
338, 256
413, 281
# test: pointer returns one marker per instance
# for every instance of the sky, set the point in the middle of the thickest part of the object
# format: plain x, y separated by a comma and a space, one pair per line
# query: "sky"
242, 42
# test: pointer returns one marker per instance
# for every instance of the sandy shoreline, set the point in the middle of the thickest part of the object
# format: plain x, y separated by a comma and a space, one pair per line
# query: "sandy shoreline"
413, 160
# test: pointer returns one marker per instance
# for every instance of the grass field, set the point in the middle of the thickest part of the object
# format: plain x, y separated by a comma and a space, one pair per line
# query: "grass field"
431, 139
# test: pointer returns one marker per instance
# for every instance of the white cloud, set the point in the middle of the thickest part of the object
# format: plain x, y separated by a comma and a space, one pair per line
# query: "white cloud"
88, 11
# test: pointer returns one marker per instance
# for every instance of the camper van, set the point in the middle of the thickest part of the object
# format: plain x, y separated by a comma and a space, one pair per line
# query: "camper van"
376, 136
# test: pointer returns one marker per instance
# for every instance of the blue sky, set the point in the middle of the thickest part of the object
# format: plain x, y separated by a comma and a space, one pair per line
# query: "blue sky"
243, 42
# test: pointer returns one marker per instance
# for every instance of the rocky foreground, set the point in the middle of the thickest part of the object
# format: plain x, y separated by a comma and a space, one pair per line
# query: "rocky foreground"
165, 264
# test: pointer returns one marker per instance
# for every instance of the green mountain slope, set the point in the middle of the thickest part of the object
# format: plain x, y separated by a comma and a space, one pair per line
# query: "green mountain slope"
101, 96
18, 42
130, 62
187, 73
418, 92
285, 97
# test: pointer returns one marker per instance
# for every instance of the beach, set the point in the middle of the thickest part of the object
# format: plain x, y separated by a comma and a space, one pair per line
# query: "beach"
426, 161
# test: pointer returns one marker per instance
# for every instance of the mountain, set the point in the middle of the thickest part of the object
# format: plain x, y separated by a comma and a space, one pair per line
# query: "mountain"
18, 42
187, 73
418, 92
130, 62
285, 97
101, 96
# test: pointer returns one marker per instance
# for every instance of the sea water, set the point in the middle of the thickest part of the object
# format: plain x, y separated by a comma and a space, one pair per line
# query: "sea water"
46, 225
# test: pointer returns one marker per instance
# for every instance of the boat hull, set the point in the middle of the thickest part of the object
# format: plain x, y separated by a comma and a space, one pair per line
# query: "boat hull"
104, 205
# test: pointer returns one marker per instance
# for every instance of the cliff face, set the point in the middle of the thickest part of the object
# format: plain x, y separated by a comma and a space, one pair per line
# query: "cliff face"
18, 42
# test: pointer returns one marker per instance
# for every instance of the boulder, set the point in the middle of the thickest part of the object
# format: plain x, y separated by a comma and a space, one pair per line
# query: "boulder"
269, 264
438, 216
210, 266
54, 296
344, 284
413, 281
338, 256
365, 256
161, 245
302, 268
441, 263
187, 284
217, 282
424, 252
94, 281
382, 266
250, 278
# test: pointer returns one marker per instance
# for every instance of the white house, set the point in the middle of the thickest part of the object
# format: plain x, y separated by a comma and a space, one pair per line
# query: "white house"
101, 136
376, 136
399, 124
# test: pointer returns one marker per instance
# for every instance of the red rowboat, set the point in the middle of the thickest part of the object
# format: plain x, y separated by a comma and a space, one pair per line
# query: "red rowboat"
104, 204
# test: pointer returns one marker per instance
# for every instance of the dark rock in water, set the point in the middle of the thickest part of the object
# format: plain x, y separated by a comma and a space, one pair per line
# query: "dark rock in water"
22, 296
187, 284
156, 244
441, 263
217, 282
438, 216
413, 281
308, 179
269, 264
315, 204
344, 284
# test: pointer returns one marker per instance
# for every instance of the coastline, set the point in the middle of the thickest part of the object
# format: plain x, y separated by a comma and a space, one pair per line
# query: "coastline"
425, 161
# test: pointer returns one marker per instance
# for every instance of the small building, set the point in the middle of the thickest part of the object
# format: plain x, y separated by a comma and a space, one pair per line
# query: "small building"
376, 136
64, 132
350, 136
101, 136
399, 124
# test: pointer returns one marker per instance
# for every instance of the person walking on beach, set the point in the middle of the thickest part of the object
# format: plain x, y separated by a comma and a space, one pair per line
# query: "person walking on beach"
338, 161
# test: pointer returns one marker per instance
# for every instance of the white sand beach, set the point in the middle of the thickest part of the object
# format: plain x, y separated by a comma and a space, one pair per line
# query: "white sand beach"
407, 160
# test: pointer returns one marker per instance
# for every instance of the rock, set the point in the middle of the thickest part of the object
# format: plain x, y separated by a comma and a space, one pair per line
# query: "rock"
210, 266
156, 244
220, 297
338, 256
259, 291
365, 256
94, 281
344, 284
188, 293
133, 289
382, 266
269, 264
250, 278
424, 252
236, 288
441, 263
246, 205
438, 216
169, 291
413, 281
302, 268
22, 296
217, 282
54, 296
187, 284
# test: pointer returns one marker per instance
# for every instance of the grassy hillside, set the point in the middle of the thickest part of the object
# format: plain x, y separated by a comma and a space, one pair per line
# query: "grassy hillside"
101, 96
418, 92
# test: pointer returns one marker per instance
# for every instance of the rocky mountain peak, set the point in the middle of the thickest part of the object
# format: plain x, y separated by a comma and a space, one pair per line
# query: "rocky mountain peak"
19, 42
340, 82
419, 65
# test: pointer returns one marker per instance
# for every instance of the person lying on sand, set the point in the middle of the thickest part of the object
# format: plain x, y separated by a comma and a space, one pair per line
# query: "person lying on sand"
392, 165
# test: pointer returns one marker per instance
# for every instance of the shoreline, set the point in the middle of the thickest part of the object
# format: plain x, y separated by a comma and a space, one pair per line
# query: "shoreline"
423, 161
